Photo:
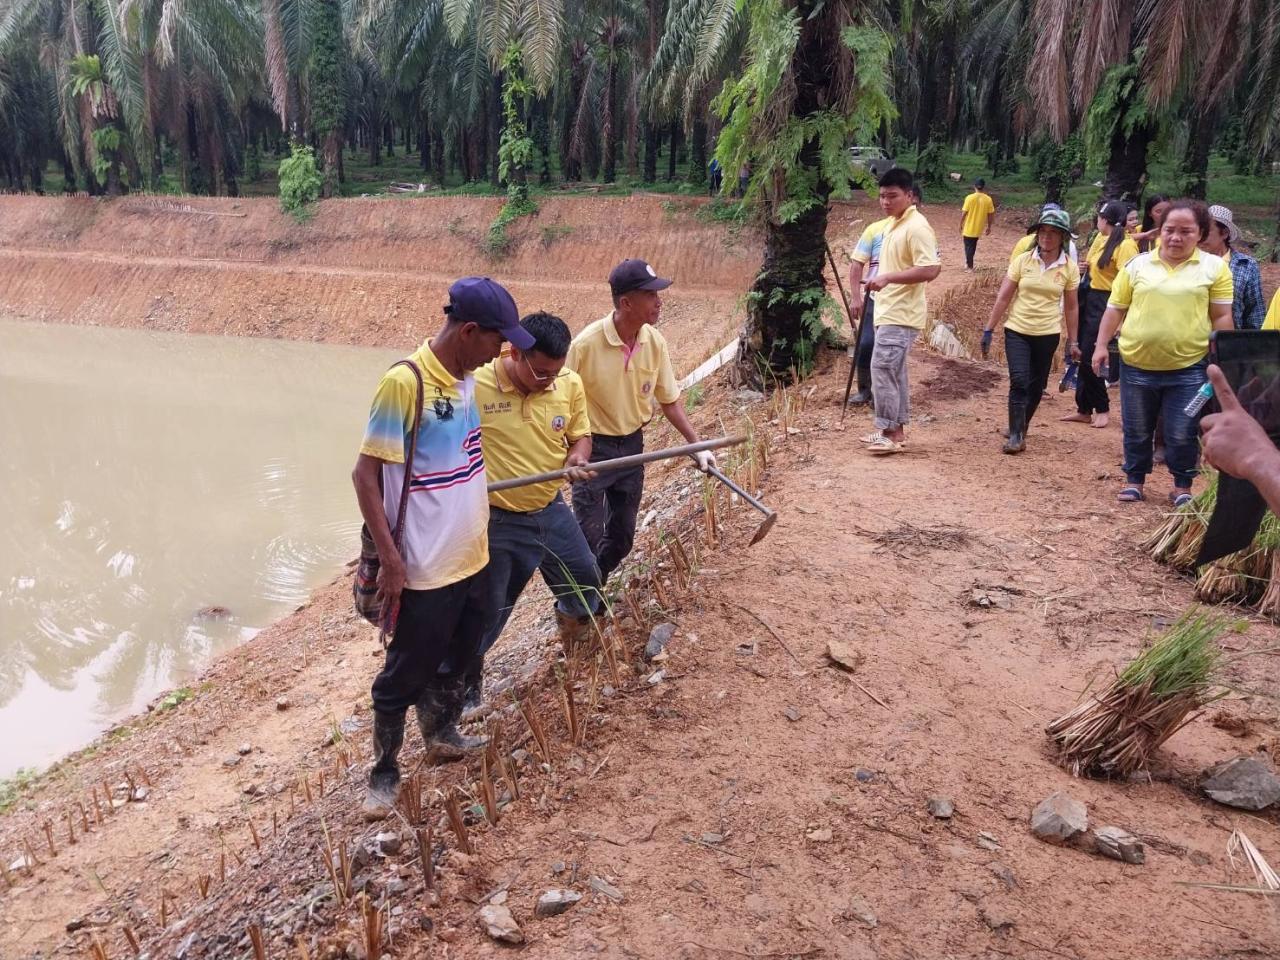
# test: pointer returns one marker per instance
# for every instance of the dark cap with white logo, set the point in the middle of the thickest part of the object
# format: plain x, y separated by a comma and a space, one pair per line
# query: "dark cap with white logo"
635, 275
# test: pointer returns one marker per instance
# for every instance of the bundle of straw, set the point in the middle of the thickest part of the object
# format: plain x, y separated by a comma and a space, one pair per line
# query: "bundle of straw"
1250, 577
1115, 732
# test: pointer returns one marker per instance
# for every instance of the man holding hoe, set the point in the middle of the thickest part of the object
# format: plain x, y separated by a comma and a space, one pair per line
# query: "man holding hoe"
625, 365
433, 588
533, 419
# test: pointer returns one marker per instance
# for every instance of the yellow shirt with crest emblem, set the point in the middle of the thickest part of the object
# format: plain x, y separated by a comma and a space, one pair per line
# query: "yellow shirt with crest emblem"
524, 434
622, 382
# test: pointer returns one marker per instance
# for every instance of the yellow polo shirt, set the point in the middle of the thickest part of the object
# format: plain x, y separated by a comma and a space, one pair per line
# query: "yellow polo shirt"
977, 209
1167, 324
1102, 278
1272, 321
622, 382
524, 435
910, 242
1037, 306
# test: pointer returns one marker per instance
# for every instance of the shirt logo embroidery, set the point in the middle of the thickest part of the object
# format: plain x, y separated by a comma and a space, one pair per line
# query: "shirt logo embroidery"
646, 388
557, 424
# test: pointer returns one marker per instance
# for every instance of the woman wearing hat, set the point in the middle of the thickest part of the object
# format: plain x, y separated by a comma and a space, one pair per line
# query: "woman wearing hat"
1039, 293
1164, 304
1110, 251
1247, 304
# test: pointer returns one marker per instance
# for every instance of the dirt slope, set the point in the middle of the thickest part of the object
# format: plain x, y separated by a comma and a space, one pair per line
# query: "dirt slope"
706, 798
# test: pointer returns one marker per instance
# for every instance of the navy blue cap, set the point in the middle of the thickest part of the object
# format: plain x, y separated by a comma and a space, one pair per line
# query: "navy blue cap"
486, 303
634, 275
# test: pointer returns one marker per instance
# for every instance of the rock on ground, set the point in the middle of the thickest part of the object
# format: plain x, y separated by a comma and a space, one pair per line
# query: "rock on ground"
555, 902
1119, 844
659, 637
1245, 782
496, 920
1059, 818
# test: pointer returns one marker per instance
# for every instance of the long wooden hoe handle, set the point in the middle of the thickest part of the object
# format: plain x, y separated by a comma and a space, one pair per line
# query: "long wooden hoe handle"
621, 463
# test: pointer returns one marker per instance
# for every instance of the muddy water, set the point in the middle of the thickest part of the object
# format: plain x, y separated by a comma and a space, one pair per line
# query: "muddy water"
162, 497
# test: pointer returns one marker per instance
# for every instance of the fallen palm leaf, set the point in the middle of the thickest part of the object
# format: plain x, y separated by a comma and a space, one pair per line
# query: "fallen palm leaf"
1114, 733
1240, 844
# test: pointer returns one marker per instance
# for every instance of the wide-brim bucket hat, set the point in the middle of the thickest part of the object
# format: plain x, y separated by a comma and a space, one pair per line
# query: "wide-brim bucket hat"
1223, 216
1058, 219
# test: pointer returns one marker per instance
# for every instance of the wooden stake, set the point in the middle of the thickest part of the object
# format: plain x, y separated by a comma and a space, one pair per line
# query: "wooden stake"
96, 950
202, 885
84, 817
570, 708
487, 792
164, 910
31, 858
255, 937
275, 823
4, 872
535, 727
320, 777
456, 822
48, 835
306, 788
71, 828
142, 772
424, 853
222, 866
97, 810
133, 941
513, 781
253, 832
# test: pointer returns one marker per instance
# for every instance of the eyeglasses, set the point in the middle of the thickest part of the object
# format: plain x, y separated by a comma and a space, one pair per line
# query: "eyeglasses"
535, 374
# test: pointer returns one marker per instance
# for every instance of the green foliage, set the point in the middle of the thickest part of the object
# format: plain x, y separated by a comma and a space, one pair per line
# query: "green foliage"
253, 163
694, 396
300, 181
325, 68
515, 153
1119, 106
175, 698
557, 231
1055, 166
932, 163
85, 71
763, 132
997, 163
106, 147
12, 787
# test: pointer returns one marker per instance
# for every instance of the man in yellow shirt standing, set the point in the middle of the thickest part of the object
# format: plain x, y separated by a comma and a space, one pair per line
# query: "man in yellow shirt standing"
979, 213
908, 260
625, 365
533, 419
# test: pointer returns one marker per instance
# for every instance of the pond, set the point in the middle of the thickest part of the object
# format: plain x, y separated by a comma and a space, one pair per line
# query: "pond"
162, 498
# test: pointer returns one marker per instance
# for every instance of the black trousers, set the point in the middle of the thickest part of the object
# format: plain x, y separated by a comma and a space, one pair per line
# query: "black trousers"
970, 248
606, 507
866, 343
1091, 389
1030, 360
437, 637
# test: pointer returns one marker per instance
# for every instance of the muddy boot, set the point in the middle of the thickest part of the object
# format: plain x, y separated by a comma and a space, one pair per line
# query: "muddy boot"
861, 399
1017, 441
384, 778
473, 702
574, 633
438, 712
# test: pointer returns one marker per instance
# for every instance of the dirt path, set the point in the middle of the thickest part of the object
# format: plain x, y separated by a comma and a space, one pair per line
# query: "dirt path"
753, 801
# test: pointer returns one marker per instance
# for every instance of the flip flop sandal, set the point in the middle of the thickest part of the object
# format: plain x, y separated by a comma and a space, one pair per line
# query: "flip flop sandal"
884, 445
1130, 494
871, 437
1180, 500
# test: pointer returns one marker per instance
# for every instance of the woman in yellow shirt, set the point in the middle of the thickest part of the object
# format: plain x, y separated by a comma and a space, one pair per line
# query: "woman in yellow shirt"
1039, 293
1165, 303
1110, 251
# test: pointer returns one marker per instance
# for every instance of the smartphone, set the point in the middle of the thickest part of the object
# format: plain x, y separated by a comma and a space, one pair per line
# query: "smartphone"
1250, 360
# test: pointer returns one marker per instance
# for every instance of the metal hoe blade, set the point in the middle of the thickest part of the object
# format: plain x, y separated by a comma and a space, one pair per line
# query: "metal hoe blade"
770, 516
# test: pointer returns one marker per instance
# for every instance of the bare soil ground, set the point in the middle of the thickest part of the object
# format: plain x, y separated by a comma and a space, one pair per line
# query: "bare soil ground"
750, 802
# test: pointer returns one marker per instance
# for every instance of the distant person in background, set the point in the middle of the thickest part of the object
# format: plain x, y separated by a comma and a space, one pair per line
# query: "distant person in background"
1039, 293
1110, 251
979, 214
716, 179
1247, 304
1153, 211
908, 260
1132, 221
1165, 303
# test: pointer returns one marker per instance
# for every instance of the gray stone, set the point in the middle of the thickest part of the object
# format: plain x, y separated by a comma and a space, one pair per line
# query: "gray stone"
1003, 874
861, 911
388, 842
864, 776
988, 841
1119, 844
231, 762
555, 902
244, 749
746, 395
558, 867
792, 714
659, 637
606, 889
1245, 782
941, 807
498, 923
1059, 818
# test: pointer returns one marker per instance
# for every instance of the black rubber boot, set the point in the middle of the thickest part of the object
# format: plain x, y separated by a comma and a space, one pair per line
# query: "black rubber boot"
384, 778
1017, 441
438, 712
861, 398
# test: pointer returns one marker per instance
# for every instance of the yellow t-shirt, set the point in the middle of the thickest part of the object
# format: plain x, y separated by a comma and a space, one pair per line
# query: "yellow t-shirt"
1101, 278
977, 208
1166, 326
523, 435
1037, 306
622, 383
1272, 321
909, 243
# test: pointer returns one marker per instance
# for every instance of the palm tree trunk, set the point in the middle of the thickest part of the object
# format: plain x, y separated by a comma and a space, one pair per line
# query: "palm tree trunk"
1195, 164
495, 128
610, 132
674, 136
698, 153
650, 134
1127, 163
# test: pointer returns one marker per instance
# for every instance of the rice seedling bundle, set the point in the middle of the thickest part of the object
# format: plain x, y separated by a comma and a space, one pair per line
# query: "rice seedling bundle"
1250, 577
1115, 732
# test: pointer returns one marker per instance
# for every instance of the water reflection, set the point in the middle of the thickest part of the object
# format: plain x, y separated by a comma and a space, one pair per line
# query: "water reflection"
161, 498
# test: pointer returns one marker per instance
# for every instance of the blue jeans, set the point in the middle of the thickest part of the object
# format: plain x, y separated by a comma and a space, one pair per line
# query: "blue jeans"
1146, 395
549, 540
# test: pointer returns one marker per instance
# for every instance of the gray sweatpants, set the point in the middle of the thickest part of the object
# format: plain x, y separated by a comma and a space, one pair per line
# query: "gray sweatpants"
889, 375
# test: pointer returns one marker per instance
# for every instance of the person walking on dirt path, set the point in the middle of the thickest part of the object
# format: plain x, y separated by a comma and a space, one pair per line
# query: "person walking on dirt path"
1165, 303
863, 265
1110, 251
533, 419
908, 260
1039, 293
1248, 308
625, 366
978, 216
435, 588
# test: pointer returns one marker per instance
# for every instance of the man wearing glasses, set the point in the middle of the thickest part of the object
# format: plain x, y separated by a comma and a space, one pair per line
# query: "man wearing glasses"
533, 419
